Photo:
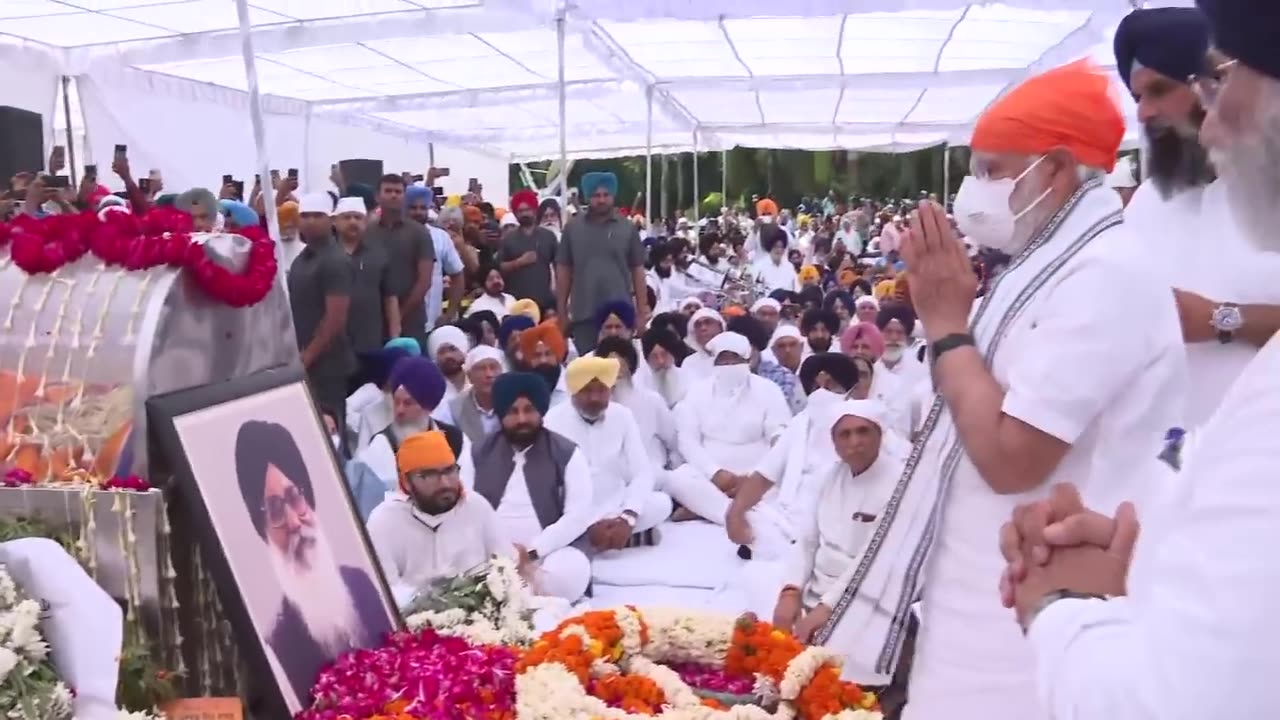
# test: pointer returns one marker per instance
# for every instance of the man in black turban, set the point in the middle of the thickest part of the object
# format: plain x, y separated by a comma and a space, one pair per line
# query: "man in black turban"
819, 327
664, 351
830, 371
1157, 51
327, 608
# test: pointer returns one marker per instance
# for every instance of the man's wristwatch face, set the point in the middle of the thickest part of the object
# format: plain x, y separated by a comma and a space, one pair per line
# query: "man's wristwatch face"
1227, 318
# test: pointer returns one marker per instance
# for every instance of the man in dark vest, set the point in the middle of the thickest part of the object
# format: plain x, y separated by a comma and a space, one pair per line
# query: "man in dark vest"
540, 485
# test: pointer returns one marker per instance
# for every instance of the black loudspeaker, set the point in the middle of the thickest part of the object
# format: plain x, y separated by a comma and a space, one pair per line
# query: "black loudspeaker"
21, 143
365, 172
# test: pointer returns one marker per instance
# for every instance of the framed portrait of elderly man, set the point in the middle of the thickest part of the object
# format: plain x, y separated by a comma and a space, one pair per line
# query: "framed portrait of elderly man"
294, 568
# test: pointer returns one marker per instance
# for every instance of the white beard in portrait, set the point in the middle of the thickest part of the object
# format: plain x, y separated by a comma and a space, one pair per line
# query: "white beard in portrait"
311, 581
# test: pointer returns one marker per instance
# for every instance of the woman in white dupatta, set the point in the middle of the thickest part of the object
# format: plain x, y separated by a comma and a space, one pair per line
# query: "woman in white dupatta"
1039, 385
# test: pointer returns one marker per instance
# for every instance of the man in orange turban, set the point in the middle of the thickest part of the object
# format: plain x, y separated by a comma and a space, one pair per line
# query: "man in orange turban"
432, 528
1006, 429
543, 349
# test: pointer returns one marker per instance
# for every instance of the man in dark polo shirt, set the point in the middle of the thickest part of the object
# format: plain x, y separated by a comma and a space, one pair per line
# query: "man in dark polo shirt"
600, 258
374, 315
527, 253
412, 254
320, 281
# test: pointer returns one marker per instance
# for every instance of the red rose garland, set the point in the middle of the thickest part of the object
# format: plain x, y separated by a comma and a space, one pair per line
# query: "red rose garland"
122, 239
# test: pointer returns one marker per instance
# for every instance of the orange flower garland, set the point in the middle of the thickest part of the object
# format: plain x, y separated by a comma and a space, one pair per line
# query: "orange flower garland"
756, 649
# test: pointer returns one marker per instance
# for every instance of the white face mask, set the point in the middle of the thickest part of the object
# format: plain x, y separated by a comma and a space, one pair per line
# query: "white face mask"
983, 214
728, 378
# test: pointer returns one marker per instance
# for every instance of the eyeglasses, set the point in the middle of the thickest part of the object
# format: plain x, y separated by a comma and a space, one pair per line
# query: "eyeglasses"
432, 475
1208, 86
276, 505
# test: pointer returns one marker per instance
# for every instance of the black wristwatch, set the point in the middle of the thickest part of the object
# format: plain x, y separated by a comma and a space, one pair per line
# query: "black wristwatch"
947, 343
532, 554
1054, 596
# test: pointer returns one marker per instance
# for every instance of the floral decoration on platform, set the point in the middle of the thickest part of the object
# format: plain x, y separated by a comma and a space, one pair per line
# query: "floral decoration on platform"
416, 676
162, 236
623, 664
489, 605
29, 686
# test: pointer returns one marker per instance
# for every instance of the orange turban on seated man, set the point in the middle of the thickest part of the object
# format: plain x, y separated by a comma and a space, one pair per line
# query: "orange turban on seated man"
547, 333
423, 451
1070, 106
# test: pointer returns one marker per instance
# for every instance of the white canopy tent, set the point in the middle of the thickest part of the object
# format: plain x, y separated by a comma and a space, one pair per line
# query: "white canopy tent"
487, 82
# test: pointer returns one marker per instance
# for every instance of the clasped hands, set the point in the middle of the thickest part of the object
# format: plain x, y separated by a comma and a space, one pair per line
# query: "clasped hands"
611, 533
1057, 544
943, 284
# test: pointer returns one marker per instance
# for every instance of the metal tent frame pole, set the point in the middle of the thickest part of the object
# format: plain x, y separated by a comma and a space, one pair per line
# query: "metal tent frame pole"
564, 105
648, 158
697, 203
260, 134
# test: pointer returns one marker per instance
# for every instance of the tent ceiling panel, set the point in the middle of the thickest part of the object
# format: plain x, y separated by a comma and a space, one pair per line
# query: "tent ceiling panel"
952, 105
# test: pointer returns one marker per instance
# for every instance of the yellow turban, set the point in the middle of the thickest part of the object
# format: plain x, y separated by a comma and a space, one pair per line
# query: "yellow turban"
809, 273
423, 451
453, 201
528, 308
585, 369
287, 213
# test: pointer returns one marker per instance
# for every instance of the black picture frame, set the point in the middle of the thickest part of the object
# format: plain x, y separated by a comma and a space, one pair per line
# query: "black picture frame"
229, 551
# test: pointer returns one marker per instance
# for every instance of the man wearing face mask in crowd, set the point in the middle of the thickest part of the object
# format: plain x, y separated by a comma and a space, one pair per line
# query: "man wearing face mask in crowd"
1025, 401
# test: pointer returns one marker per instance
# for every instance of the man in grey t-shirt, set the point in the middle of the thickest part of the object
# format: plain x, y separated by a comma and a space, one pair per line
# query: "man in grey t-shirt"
600, 258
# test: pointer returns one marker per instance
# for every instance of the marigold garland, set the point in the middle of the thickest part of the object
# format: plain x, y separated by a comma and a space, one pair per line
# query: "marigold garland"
596, 646
120, 239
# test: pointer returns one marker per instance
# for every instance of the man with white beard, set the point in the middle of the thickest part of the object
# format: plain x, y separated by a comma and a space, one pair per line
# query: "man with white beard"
1227, 294
1117, 629
1038, 385
663, 350
326, 609
652, 414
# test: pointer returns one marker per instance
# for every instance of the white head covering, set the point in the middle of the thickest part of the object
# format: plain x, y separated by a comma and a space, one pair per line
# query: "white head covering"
1122, 176
730, 342
691, 300
509, 220
766, 302
867, 300
785, 331
317, 202
871, 410
446, 335
480, 353
352, 205
705, 312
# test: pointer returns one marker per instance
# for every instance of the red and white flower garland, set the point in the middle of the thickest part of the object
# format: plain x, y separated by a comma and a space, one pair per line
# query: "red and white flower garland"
121, 239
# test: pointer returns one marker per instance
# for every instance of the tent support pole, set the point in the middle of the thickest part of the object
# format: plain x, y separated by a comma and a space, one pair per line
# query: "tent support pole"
697, 204
564, 103
648, 157
724, 177
71, 133
260, 134
946, 173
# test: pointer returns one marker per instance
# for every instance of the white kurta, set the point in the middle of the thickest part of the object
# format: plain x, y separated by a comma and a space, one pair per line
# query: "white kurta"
563, 571
776, 276
496, 305
656, 422
368, 413
415, 548
1193, 242
1109, 389
1200, 606
621, 470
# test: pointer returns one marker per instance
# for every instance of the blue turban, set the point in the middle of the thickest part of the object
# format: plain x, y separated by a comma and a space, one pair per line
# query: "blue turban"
594, 180
1171, 41
623, 309
238, 213
514, 385
409, 345
417, 193
1246, 30
421, 379
512, 324
383, 362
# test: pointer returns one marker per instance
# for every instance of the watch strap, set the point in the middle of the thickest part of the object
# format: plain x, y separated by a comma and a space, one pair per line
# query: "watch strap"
531, 554
948, 343
1054, 596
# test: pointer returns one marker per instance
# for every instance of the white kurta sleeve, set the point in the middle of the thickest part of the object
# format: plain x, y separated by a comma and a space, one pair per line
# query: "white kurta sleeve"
639, 466
1069, 341
806, 547
776, 411
689, 434
1201, 606
577, 508
496, 542
387, 536
668, 433
773, 466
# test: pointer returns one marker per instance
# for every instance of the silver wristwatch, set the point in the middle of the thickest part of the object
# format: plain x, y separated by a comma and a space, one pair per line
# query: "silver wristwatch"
1227, 320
